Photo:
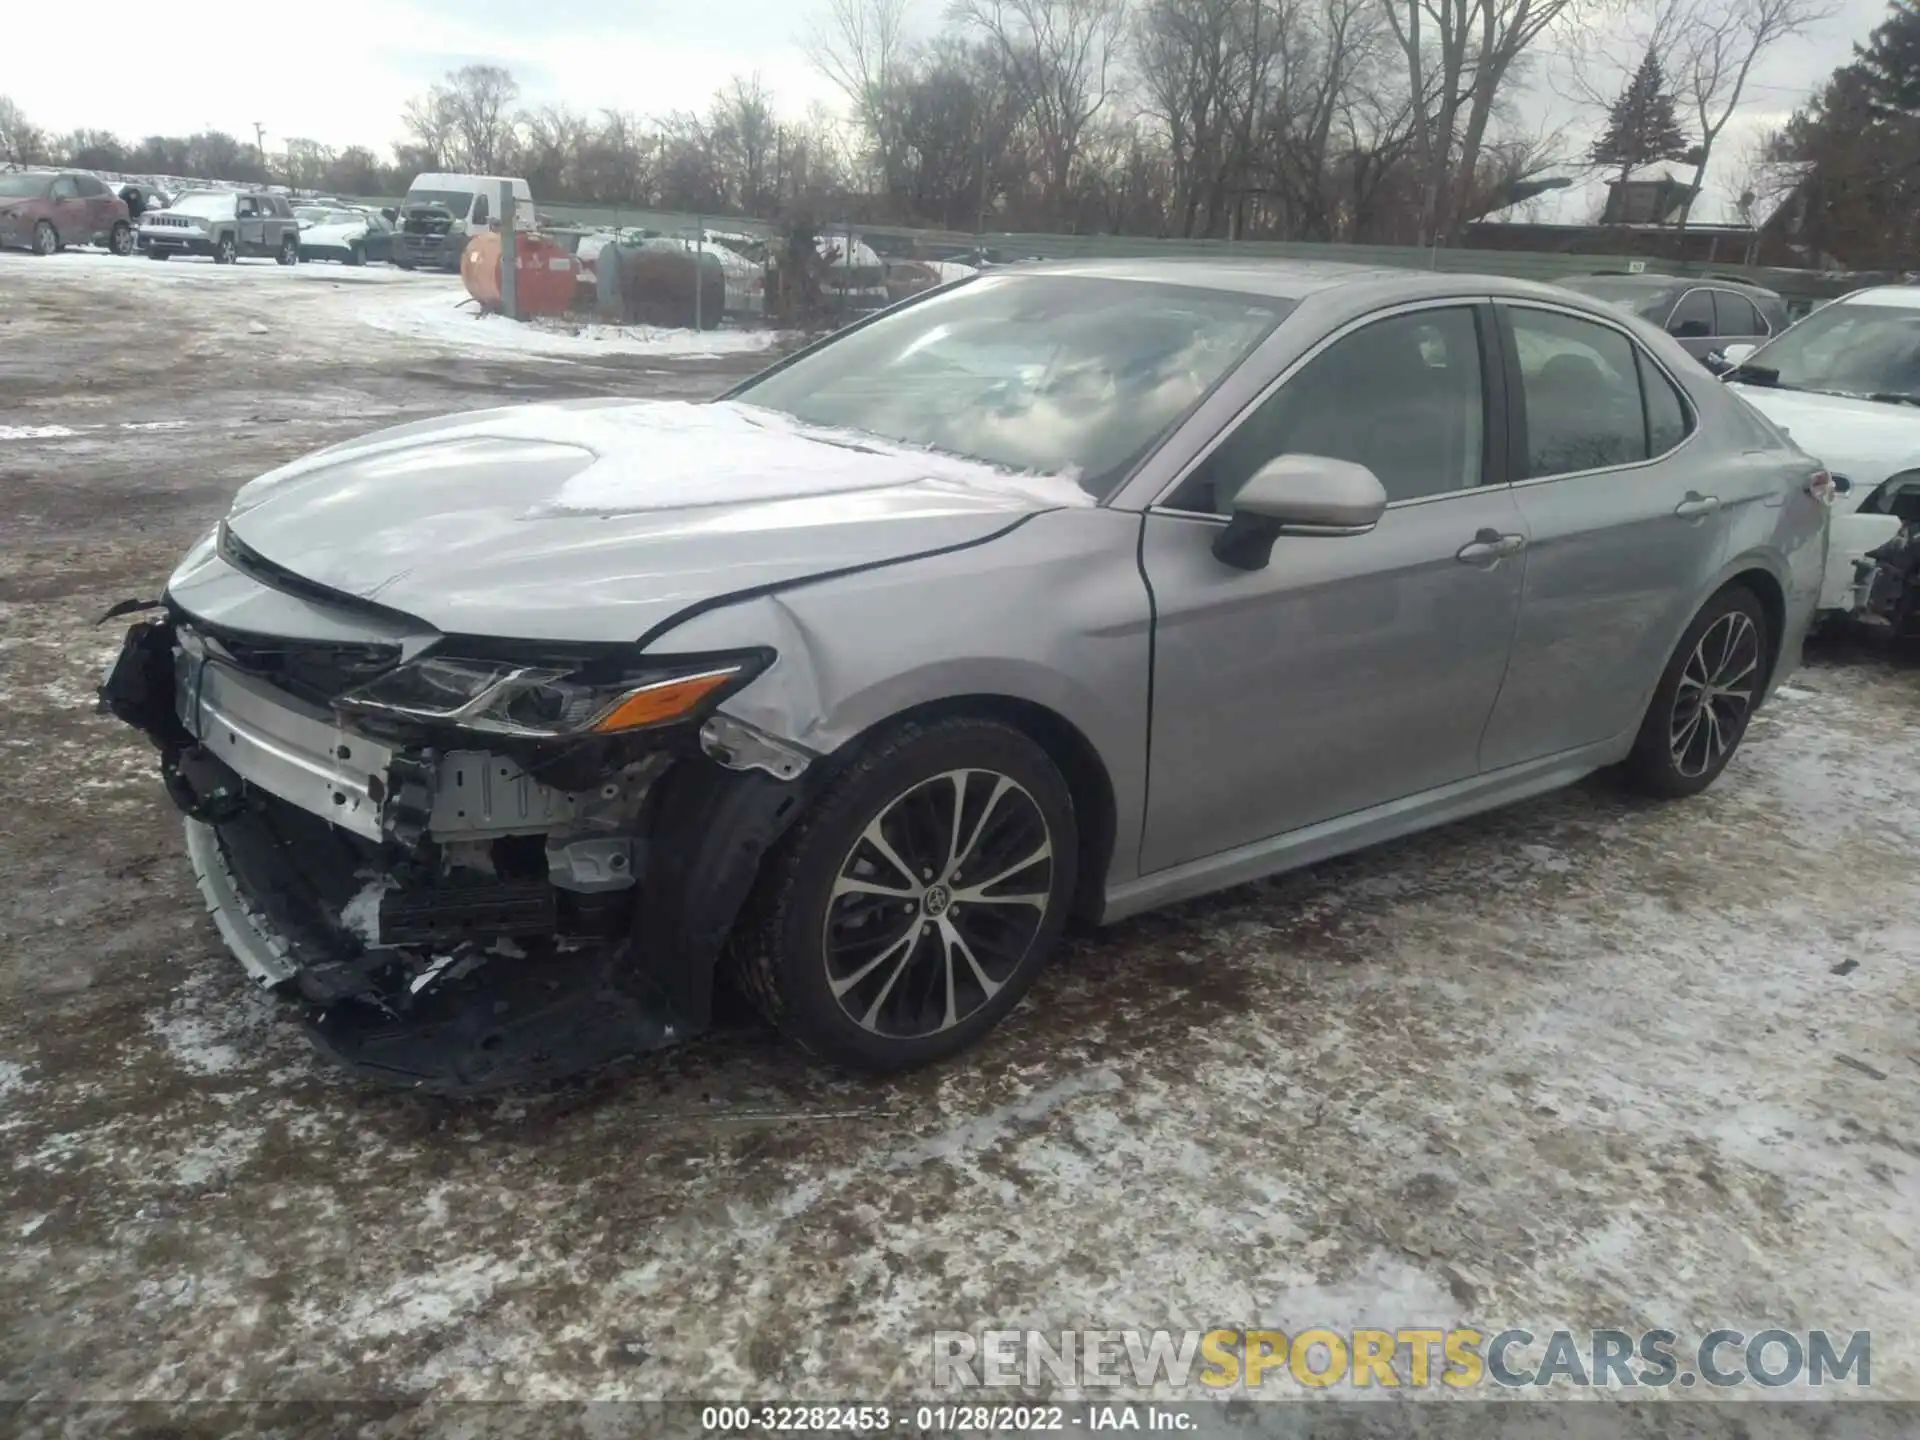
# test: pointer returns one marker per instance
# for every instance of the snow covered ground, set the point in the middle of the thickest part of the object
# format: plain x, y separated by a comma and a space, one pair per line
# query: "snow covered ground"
1588, 1062
320, 304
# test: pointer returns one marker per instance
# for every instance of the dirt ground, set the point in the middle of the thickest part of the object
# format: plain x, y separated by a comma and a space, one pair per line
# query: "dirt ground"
1587, 1062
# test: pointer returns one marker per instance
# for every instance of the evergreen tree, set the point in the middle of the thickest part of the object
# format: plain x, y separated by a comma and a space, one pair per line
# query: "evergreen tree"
1641, 125
1860, 141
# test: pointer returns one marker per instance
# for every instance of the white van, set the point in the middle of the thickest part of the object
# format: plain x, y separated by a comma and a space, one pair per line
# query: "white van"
441, 212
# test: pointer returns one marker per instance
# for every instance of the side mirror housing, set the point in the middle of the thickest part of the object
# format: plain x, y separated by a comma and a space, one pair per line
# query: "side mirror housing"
1299, 495
1736, 353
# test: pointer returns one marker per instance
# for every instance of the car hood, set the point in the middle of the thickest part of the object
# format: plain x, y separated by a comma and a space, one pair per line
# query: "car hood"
1864, 440
602, 520
340, 234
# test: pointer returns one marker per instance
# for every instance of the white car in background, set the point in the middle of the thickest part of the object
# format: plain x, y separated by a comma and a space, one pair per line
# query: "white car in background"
1845, 384
348, 234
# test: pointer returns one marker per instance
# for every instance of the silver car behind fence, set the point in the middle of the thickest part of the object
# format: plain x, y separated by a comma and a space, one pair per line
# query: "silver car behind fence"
1066, 590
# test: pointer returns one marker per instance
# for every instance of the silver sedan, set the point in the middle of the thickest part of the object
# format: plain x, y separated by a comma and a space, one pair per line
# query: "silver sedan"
1065, 590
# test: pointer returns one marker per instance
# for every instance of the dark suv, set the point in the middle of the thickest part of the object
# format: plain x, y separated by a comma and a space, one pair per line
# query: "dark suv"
1703, 313
48, 210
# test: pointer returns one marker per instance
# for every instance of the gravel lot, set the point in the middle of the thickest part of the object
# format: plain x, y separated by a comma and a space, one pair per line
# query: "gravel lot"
1587, 1062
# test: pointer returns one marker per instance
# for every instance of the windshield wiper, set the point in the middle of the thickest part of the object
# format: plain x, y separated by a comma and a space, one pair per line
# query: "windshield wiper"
1758, 375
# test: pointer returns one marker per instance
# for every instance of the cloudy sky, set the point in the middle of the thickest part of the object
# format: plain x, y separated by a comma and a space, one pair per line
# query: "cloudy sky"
339, 72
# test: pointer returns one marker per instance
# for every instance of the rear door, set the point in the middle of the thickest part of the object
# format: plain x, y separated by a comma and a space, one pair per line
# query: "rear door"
1627, 524
251, 213
1348, 671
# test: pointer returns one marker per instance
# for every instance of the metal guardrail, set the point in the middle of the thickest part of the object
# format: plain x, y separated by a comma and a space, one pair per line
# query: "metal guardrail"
1517, 264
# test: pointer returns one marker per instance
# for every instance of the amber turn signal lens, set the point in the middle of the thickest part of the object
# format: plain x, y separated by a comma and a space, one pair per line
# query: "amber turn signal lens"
663, 700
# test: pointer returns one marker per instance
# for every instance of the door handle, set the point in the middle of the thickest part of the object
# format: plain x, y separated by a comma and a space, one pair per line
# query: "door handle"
1696, 505
1489, 547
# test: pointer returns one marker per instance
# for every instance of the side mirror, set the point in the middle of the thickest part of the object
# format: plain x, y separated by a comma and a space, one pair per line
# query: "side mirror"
1737, 353
1298, 495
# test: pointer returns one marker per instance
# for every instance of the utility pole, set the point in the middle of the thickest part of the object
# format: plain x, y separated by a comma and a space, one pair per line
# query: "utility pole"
260, 147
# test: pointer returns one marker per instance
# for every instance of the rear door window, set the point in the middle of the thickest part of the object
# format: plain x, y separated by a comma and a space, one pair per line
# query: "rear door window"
1580, 394
1669, 421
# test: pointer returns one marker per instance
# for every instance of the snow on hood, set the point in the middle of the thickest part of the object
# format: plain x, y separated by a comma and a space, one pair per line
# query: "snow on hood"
1865, 440
599, 520
339, 233
677, 455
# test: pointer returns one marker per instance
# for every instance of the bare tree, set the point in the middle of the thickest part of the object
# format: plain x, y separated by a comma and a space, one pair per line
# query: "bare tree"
1062, 58
21, 142
479, 102
1193, 68
428, 120
1716, 45
745, 135
1459, 54
862, 48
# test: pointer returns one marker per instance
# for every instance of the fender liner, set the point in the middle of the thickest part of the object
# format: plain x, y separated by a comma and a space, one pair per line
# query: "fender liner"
707, 832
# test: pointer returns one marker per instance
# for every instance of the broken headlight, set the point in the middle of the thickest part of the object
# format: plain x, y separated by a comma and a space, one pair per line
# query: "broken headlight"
552, 701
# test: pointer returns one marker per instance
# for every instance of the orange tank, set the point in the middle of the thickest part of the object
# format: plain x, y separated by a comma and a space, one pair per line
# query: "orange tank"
543, 274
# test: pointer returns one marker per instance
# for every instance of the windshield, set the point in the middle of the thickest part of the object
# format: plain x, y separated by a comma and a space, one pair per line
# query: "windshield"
455, 201
212, 203
16, 187
1850, 349
1059, 375
1624, 293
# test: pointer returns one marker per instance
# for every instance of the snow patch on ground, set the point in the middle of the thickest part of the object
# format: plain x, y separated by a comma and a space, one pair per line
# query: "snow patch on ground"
197, 1043
36, 432
455, 321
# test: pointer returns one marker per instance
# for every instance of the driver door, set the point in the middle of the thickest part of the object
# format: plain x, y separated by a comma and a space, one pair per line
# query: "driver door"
1349, 671
69, 212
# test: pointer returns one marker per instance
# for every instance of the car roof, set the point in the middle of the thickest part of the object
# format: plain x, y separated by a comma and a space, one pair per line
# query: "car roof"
1286, 279
1905, 296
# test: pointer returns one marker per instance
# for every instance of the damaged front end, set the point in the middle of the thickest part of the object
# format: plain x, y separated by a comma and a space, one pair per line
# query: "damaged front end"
474, 866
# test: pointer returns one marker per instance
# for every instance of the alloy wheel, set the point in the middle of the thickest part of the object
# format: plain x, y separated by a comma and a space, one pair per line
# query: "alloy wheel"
937, 903
1715, 695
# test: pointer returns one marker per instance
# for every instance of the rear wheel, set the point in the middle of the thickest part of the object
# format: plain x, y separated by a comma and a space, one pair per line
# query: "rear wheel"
120, 241
908, 912
46, 239
1705, 697
289, 253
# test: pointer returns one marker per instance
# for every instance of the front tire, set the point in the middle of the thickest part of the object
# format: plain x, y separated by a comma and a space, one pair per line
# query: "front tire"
120, 240
1706, 696
912, 907
46, 240
289, 251
225, 252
